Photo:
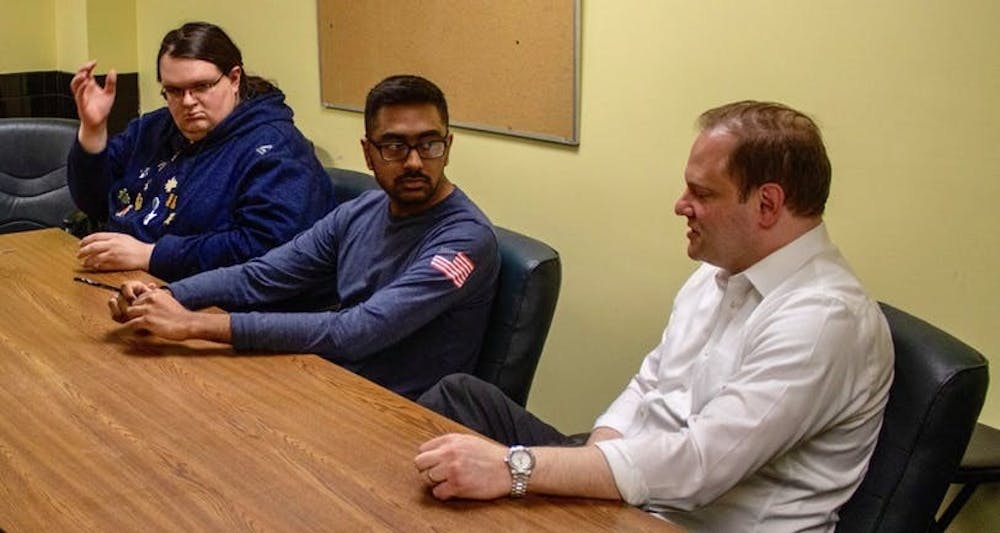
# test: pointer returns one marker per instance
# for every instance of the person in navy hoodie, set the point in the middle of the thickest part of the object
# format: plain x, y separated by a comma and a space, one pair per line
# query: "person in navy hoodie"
219, 176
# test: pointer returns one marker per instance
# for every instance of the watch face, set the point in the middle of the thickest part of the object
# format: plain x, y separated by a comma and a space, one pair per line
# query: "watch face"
521, 460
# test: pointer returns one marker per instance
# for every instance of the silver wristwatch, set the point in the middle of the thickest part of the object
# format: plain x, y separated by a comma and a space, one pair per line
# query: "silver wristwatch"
521, 462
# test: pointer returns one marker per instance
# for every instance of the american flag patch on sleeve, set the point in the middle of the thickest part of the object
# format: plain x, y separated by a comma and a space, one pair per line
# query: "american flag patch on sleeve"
457, 270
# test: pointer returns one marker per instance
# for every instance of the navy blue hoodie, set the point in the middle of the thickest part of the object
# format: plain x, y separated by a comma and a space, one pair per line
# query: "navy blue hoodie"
251, 184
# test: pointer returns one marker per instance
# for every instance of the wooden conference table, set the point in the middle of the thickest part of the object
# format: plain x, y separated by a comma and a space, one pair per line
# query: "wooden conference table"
105, 430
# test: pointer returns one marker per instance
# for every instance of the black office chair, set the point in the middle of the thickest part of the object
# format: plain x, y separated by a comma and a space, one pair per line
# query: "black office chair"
527, 291
530, 274
33, 191
348, 184
980, 465
936, 395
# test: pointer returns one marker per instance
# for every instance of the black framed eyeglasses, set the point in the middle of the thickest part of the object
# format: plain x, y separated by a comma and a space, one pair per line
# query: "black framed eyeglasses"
399, 150
176, 94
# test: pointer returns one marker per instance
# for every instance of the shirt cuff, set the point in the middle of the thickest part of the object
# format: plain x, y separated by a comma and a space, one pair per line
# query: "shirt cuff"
180, 292
241, 331
163, 262
628, 477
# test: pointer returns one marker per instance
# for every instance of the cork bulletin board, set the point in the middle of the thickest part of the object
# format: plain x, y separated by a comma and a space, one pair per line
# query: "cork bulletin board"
506, 66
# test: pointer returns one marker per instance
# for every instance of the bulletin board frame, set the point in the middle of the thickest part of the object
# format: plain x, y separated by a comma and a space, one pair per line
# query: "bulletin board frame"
510, 67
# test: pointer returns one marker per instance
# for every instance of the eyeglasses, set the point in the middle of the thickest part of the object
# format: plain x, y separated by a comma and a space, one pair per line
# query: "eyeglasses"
399, 151
176, 94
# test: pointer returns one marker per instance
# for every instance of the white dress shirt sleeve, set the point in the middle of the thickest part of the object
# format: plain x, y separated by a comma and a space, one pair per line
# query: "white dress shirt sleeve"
788, 384
625, 410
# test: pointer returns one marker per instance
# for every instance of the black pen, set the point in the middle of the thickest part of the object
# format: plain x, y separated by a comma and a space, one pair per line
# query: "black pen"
93, 283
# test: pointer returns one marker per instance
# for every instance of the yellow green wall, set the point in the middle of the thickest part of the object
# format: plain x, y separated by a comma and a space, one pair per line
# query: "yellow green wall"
27, 36
63, 34
111, 27
906, 93
71, 33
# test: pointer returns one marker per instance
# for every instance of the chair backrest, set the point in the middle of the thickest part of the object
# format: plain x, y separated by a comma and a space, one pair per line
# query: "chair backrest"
348, 184
33, 190
935, 399
527, 291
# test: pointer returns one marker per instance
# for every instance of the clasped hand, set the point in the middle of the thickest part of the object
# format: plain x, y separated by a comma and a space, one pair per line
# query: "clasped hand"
145, 307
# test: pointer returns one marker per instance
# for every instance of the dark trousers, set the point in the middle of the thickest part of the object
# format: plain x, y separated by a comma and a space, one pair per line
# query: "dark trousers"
483, 407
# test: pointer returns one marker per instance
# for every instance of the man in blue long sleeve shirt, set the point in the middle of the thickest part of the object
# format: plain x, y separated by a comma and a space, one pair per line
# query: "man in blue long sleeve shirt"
414, 266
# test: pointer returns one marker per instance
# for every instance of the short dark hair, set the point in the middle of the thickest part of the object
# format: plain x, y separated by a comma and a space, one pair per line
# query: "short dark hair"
775, 144
404, 89
207, 42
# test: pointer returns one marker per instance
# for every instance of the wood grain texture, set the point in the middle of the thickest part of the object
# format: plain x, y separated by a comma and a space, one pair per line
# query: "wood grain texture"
103, 430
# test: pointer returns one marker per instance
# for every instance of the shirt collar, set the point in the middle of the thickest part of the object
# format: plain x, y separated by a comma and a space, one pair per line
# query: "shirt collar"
768, 273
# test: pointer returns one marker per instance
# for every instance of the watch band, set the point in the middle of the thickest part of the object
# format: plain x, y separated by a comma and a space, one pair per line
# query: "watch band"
520, 471
519, 487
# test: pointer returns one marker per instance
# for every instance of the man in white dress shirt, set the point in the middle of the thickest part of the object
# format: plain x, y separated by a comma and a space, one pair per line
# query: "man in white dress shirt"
760, 408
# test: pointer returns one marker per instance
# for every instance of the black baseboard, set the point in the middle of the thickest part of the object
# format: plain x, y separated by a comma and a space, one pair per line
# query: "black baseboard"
46, 94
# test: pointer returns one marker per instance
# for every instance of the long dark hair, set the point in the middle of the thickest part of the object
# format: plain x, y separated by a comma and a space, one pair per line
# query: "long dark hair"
207, 42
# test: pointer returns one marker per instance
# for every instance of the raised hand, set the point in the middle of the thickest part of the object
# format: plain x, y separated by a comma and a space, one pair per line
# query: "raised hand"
93, 105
